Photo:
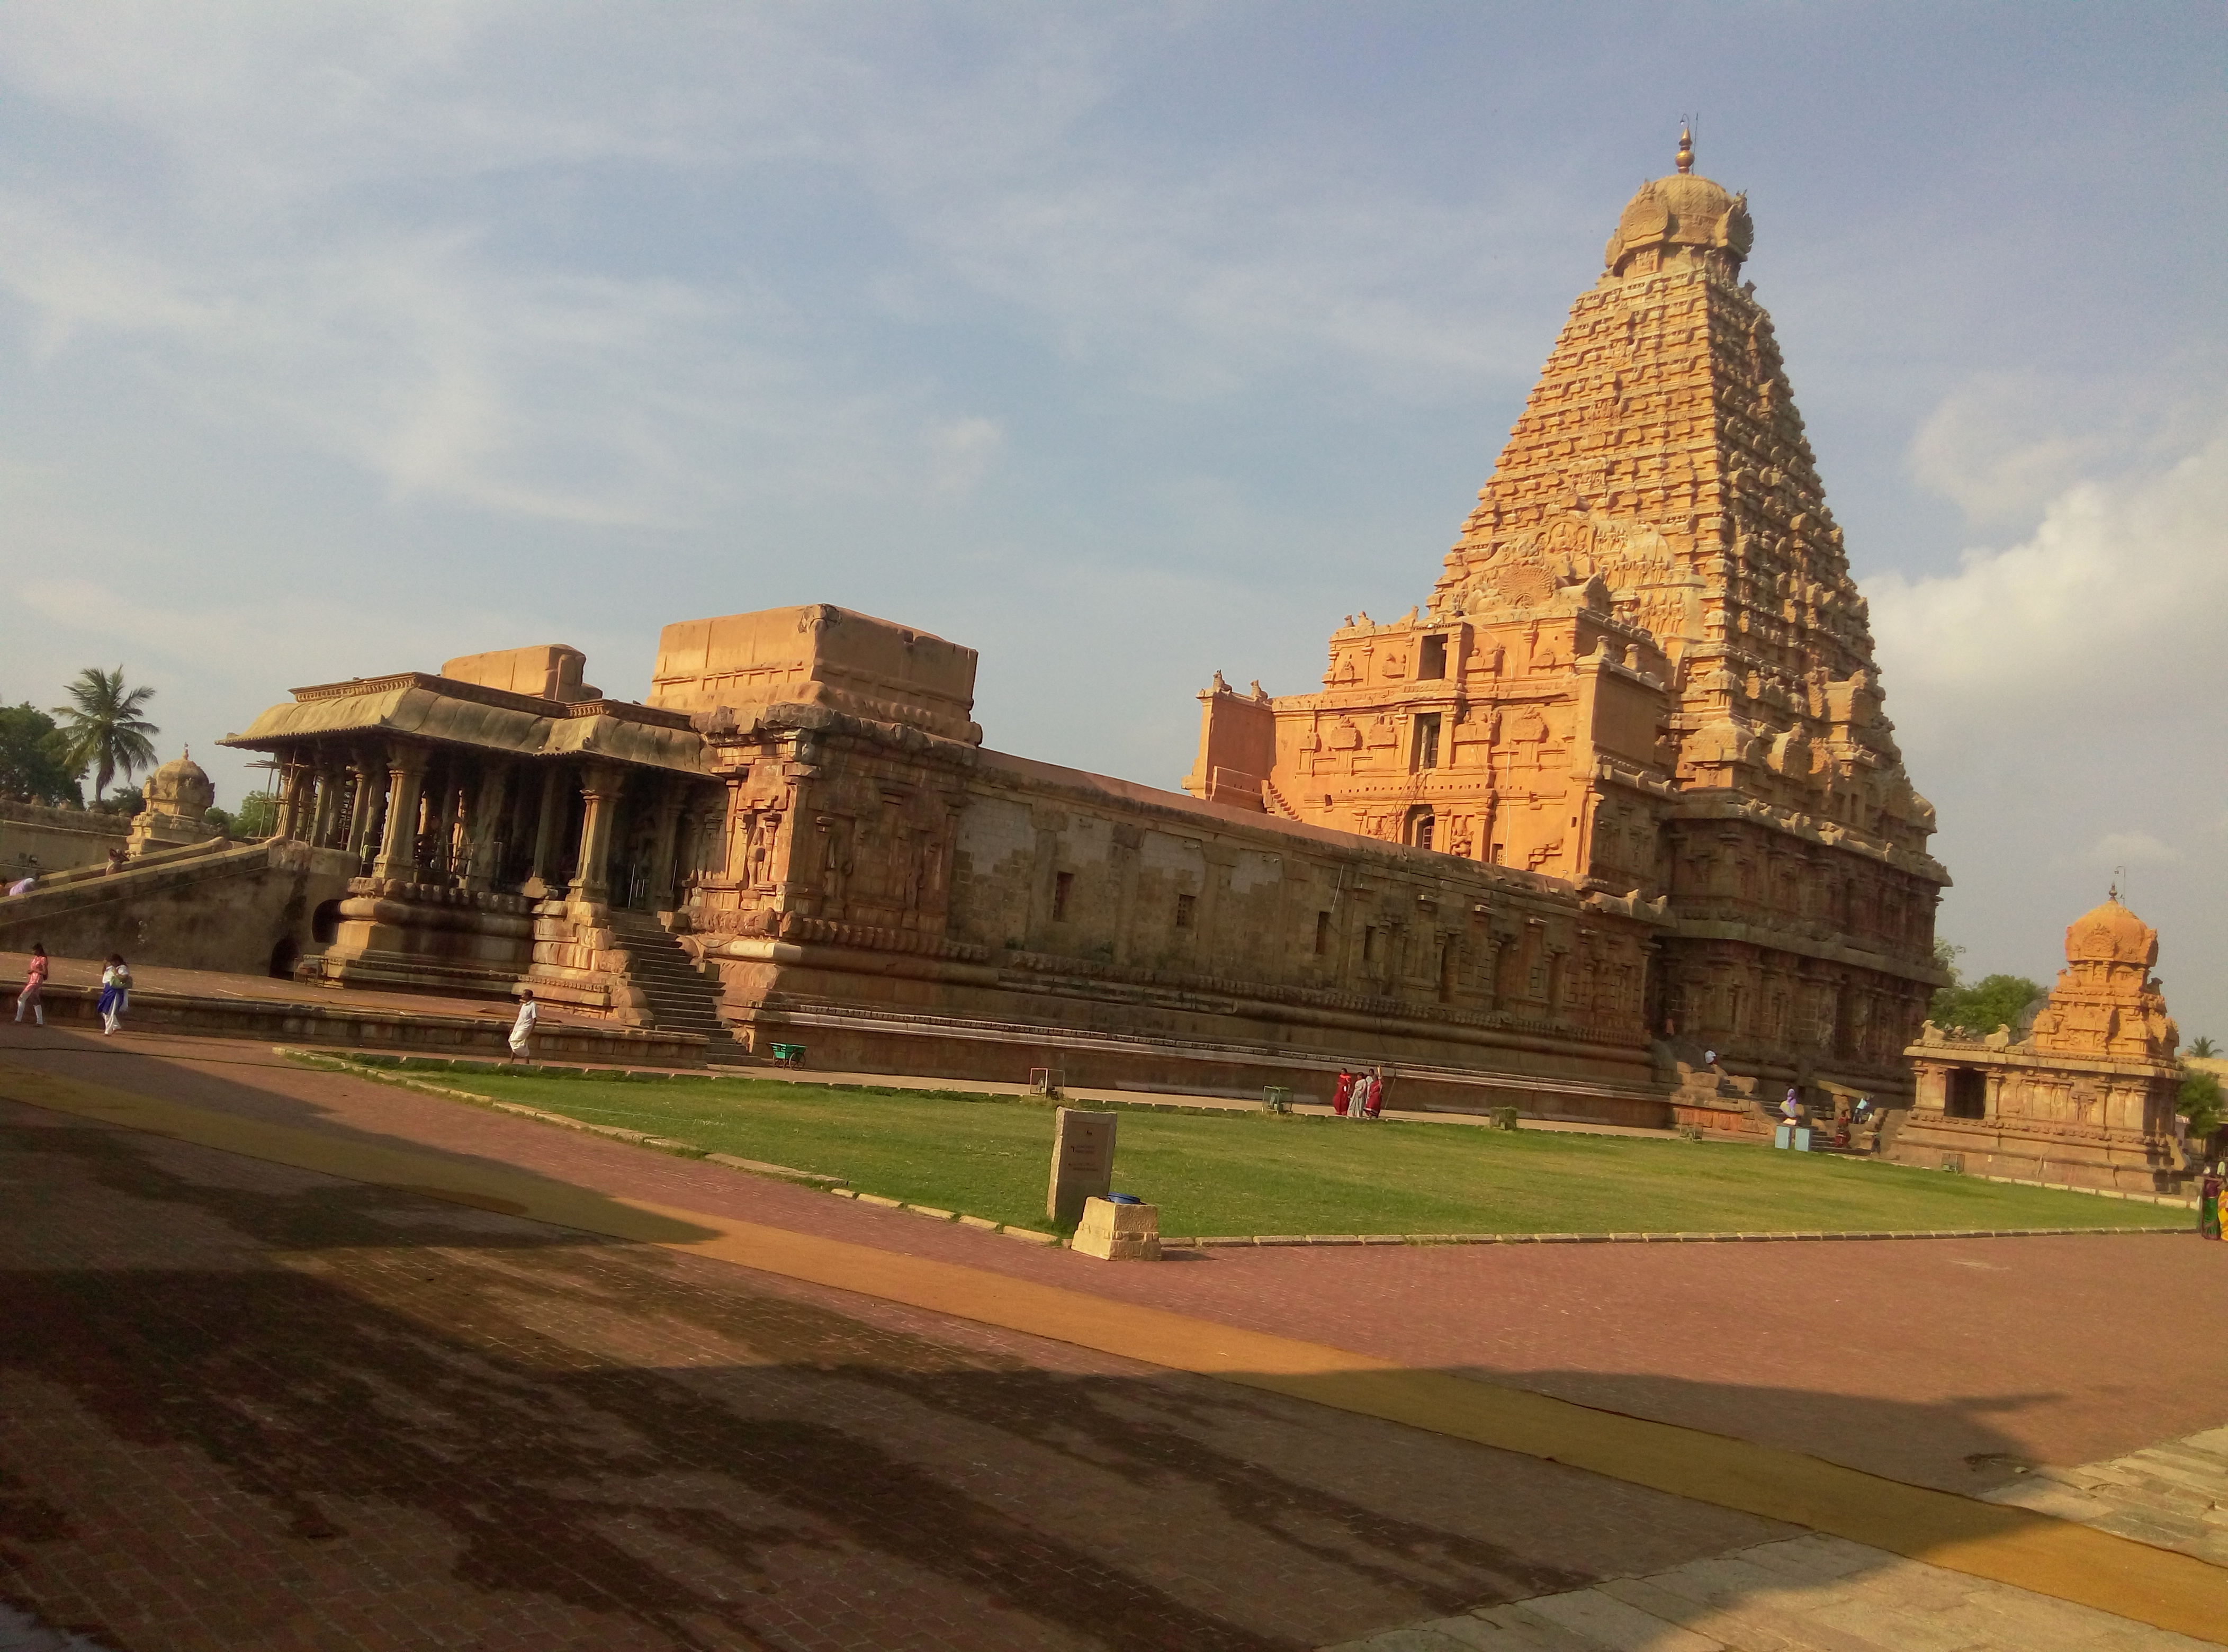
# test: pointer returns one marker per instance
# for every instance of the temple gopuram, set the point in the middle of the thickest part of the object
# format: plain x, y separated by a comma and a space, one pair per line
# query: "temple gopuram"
1620, 796
1645, 670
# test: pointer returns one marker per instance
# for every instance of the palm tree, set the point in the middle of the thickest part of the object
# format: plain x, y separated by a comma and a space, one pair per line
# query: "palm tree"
102, 729
2203, 1049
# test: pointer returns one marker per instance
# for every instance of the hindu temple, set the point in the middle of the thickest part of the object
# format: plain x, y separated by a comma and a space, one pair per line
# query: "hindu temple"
1611, 825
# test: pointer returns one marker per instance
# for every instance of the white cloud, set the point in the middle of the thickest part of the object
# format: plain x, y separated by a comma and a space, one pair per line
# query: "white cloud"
2060, 701
2002, 446
2132, 848
2111, 608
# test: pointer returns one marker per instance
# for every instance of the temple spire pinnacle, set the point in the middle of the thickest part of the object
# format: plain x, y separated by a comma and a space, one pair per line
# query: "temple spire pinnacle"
1685, 148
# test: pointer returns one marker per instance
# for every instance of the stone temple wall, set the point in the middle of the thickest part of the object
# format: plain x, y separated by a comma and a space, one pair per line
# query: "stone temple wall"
37, 839
897, 900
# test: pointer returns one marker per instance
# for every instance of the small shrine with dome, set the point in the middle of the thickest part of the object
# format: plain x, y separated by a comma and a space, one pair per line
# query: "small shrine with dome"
179, 797
2084, 1094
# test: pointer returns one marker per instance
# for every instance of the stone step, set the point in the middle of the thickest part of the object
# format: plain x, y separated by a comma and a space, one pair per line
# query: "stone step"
682, 995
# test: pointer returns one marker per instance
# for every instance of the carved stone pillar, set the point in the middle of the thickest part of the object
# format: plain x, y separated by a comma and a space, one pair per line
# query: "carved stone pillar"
367, 777
448, 805
547, 823
329, 802
665, 817
486, 812
294, 797
600, 786
398, 848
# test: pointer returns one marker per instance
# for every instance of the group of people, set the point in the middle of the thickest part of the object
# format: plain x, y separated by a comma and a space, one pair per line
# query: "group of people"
1358, 1095
115, 990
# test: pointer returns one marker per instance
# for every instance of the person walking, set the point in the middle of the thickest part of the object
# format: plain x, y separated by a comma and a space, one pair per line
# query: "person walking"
1377, 1081
2208, 1201
34, 995
115, 993
522, 1030
1341, 1092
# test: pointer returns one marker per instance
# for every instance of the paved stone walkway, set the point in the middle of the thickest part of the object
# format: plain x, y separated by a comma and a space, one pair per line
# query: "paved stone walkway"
2175, 1495
1805, 1594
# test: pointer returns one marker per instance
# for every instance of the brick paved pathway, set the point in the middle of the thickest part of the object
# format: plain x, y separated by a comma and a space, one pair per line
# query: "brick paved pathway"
248, 1406
1316, 1558
1945, 1363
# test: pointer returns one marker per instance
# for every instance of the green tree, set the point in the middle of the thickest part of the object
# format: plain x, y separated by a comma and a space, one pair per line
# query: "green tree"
256, 815
31, 765
102, 729
2203, 1048
2199, 1102
1979, 1008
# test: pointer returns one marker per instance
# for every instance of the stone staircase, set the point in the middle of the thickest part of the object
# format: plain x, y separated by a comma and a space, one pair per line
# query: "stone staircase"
684, 997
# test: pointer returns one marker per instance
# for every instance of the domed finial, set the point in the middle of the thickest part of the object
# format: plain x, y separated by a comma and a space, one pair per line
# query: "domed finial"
1686, 149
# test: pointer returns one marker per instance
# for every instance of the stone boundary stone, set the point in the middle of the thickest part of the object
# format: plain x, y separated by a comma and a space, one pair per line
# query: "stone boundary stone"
1216, 1241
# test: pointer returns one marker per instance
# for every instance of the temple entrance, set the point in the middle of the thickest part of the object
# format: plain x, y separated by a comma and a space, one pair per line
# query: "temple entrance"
1968, 1094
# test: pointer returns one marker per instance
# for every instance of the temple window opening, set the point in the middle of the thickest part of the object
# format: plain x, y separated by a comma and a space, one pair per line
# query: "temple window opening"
1427, 742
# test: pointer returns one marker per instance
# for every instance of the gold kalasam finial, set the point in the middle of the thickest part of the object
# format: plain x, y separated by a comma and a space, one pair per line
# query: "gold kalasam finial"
1686, 149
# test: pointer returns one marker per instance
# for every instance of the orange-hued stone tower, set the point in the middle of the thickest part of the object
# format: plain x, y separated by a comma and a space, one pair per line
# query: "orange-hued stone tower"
1645, 669
2087, 1096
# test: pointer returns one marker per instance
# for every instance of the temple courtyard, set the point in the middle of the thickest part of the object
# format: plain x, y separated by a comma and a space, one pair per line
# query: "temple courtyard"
299, 1358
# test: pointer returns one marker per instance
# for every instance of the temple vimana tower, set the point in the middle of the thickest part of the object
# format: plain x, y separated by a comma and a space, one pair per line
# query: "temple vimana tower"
1644, 668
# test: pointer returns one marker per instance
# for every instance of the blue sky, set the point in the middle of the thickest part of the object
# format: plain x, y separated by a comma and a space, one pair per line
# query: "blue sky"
1124, 343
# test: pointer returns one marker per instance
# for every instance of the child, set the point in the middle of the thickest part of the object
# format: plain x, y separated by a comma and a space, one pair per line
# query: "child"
34, 995
115, 993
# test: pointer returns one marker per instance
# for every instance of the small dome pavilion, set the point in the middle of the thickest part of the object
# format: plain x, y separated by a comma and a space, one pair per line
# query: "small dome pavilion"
179, 797
181, 787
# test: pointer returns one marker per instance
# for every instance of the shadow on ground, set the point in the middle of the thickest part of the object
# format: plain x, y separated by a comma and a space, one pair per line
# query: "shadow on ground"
243, 1405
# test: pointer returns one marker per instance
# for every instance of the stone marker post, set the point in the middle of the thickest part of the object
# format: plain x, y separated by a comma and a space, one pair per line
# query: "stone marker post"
1082, 1162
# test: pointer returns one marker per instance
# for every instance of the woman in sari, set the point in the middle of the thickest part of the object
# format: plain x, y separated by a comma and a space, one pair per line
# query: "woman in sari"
2208, 1202
115, 993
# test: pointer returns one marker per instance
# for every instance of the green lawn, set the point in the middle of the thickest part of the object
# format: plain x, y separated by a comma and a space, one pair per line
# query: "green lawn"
1261, 1173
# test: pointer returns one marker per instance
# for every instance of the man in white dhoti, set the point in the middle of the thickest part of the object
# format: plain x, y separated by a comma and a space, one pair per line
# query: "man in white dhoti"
522, 1030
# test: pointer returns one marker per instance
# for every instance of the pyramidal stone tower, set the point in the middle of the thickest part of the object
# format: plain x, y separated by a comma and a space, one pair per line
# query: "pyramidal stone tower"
1645, 670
